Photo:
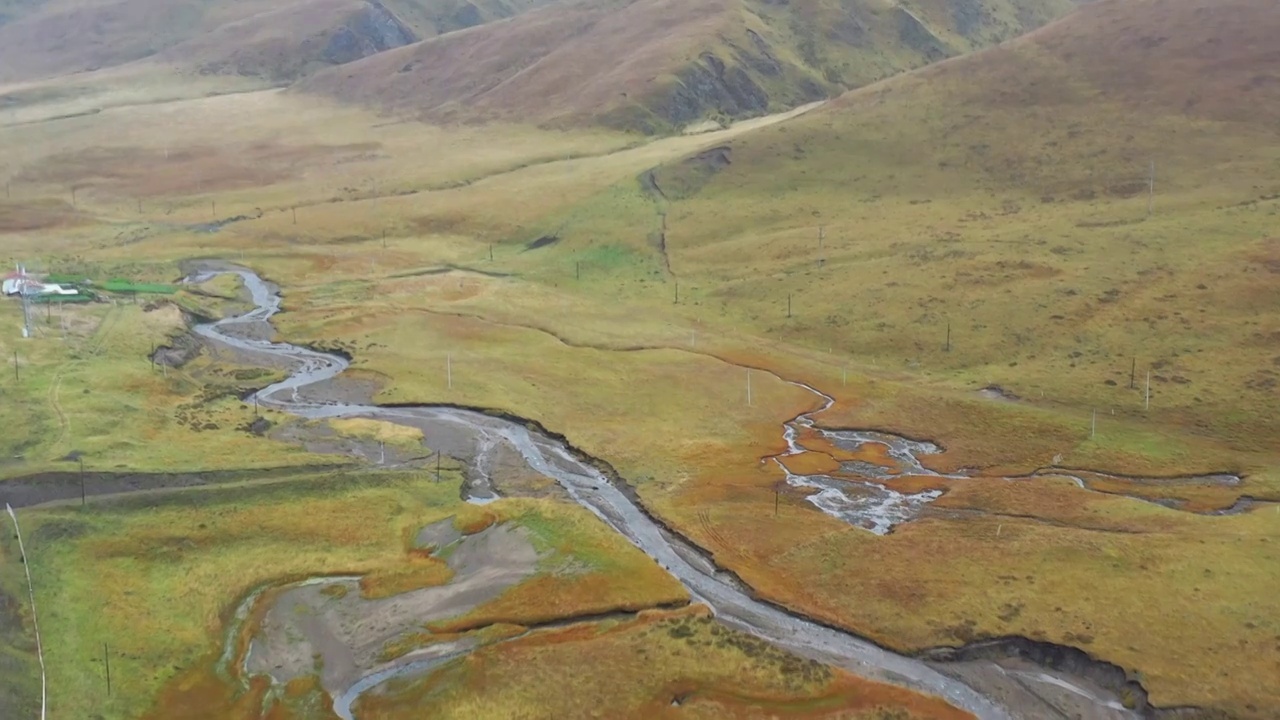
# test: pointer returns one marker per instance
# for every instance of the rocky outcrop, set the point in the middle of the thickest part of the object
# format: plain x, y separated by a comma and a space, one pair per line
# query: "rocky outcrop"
915, 34
709, 86
370, 30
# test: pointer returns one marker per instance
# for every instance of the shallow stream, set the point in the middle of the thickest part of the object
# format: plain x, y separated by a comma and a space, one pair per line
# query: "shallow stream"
732, 604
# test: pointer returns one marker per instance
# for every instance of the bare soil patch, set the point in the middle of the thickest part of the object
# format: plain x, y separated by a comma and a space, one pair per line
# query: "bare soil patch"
349, 633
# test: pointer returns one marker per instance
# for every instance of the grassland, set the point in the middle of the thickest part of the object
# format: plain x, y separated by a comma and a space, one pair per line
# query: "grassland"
179, 565
1001, 196
84, 388
654, 666
20, 693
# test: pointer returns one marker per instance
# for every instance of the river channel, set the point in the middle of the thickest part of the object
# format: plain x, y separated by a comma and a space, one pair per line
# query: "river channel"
732, 604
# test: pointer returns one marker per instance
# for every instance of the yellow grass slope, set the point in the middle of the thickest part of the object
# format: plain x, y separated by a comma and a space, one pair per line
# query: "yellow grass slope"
1005, 195
271, 40
657, 65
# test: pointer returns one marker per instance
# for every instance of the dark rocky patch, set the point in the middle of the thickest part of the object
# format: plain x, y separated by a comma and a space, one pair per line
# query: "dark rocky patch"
684, 179
544, 241
372, 30
916, 35
182, 349
711, 86
969, 16
1074, 662
466, 16
260, 426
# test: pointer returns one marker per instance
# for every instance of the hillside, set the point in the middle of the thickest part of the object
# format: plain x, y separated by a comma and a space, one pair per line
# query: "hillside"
655, 65
990, 229
273, 40
1009, 195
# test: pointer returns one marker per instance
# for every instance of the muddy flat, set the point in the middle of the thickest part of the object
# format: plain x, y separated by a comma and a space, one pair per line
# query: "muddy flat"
329, 620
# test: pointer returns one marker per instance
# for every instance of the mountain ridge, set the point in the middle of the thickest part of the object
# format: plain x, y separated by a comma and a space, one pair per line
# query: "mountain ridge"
657, 65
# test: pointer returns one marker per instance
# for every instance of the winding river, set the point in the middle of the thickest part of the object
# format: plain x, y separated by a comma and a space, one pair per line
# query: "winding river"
731, 603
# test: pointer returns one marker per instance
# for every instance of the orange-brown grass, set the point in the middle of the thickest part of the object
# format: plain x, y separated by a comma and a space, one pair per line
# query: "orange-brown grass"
199, 693
551, 597
725, 502
585, 573
810, 463
418, 570
914, 483
637, 668
133, 172
303, 699
405, 644
872, 453
37, 215
1190, 496
492, 368
471, 519
1015, 566
546, 63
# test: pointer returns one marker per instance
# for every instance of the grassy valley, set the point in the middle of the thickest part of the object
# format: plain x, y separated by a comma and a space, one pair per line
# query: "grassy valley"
1054, 259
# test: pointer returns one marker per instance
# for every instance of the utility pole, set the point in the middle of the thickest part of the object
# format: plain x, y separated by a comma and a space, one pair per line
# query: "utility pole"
788, 304
1093, 431
1133, 372
748, 387
106, 658
677, 300
775, 501
490, 252
448, 369
1148, 403
948, 346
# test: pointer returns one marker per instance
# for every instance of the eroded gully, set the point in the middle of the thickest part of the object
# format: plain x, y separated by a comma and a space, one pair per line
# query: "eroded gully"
588, 486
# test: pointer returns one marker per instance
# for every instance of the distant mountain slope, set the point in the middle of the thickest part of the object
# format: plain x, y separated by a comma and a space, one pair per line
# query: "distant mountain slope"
658, 64
268, 38
1079, 107
429, 18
